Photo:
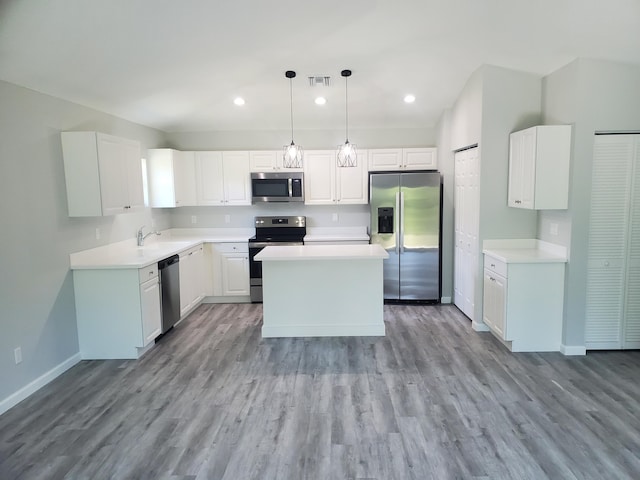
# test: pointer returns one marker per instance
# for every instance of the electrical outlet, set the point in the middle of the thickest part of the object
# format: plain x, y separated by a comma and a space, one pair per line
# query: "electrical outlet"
227, 219
17, 353
553, 229
97, 234
334, 217
194, 219
153, 224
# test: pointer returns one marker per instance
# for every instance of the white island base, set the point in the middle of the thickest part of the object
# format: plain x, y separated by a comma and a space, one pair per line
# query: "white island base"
322, 291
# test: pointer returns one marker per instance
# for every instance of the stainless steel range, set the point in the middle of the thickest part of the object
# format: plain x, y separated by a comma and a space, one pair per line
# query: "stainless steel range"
272, 231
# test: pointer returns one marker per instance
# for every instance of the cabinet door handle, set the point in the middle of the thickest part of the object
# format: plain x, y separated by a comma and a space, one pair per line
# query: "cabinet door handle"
493, 265
492, 279
518, 201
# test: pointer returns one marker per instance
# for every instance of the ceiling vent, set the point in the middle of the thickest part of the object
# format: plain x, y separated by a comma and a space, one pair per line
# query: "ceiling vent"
319, 81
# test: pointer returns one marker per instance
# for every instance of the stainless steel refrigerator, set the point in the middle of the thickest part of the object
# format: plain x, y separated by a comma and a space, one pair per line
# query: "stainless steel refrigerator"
405, 220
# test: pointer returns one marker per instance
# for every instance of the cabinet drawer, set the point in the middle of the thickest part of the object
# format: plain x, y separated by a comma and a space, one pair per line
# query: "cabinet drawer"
495, 265
147, 273
231, 247
190, 251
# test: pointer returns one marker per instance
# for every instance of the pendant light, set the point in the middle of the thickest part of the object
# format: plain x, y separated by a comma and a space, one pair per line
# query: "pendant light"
292, 154
347, 154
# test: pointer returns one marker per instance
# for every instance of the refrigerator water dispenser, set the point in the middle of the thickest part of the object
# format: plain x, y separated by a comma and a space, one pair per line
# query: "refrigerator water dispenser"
385, 220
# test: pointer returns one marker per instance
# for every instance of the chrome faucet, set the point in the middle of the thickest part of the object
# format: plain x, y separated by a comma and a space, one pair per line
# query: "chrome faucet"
141, 236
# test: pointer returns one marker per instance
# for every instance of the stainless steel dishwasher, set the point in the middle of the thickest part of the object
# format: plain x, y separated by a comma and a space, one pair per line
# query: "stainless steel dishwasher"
170, 287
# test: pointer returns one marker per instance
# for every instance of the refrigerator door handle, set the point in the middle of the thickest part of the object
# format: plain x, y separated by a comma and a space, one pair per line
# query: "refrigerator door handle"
401, 222
397, 222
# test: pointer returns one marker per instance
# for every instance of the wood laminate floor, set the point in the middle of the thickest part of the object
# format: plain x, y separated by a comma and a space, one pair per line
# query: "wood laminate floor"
432, 399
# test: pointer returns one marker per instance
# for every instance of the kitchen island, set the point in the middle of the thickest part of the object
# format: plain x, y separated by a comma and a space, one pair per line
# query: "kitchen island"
322, 290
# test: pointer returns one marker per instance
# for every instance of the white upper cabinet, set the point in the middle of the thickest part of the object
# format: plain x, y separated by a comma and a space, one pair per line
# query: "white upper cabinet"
328, 184
268, 161
390, 159
103, 174
223, 178
539, 167
171, 177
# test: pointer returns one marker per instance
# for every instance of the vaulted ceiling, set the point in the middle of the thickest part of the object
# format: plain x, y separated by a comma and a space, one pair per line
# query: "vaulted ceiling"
178, 65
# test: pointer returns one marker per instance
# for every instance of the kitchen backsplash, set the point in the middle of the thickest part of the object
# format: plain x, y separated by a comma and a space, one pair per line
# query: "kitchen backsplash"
238, 217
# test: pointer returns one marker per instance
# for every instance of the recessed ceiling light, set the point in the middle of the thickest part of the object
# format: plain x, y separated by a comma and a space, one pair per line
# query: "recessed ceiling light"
239, 101
409, 98
320, 100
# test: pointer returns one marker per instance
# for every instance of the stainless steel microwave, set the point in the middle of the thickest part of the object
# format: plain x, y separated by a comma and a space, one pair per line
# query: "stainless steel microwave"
277, 187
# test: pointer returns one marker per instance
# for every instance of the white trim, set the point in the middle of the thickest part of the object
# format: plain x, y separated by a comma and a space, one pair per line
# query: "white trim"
278, 331
445, 300
15, 398
479, 327
570, 350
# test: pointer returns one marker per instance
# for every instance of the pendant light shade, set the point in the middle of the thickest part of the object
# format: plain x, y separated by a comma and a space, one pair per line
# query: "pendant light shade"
347, 153
292, 154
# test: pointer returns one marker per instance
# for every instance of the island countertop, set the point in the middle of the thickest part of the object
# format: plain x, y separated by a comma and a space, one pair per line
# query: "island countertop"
321, 252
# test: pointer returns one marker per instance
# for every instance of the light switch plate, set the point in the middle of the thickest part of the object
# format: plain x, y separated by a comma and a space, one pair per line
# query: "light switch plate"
97, 234
227, 219
553, 229
17, 353
194, 219
334, 217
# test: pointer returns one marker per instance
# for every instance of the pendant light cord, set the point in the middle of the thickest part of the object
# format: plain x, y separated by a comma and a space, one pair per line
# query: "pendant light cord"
346, 107
291, 104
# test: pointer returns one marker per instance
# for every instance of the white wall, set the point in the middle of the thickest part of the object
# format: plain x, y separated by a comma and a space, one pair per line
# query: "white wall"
36, 292
594, 96
308, 139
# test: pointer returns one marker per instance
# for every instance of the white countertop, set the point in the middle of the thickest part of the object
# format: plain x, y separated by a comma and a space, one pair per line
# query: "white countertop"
322, 252
127, 254
336, 234
525, 251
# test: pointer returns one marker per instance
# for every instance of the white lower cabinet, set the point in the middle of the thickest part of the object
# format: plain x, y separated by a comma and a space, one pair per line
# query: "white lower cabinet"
192, 279
117, 310
151, 310
230, 269
523, 304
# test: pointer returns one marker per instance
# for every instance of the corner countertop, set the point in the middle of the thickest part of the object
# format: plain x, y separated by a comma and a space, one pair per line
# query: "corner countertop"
525, 251
322, 252
336, 234
127, 254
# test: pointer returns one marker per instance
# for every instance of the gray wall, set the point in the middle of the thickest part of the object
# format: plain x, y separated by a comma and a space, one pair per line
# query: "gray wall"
36, 293
494, 102
446, 167
593, 96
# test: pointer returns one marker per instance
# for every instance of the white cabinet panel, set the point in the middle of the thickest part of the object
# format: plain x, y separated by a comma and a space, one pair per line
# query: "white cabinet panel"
524, 308
230, 269
391, 159
151, 313
103, 174
171, 178
223, 178
327, 184
539, 167
192, 279
267, 161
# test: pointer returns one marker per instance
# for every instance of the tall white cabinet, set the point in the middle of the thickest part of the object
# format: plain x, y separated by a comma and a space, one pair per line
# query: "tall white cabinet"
466, 233
613, 269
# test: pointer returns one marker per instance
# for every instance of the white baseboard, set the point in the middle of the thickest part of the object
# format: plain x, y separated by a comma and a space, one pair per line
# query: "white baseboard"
479, 327
445, 300
570, 350
366, 330
15, 398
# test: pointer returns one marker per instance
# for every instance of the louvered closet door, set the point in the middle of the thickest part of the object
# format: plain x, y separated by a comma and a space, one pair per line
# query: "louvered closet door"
608, 225
631, 324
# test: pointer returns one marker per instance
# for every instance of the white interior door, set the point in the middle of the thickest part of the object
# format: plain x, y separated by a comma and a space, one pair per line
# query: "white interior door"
466, 216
